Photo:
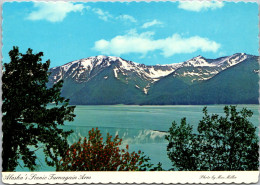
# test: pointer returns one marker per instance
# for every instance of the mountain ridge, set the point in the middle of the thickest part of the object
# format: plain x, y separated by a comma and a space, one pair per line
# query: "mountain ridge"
143, 81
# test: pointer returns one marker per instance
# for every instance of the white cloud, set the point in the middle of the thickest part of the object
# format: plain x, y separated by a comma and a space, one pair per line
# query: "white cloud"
53, 11
200, 5
176, 44
102, 14
127, 18
143, 43
151, 23
106, 16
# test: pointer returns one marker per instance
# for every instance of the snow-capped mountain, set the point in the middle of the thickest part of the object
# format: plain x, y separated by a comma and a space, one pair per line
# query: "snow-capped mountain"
200, 68
223, 62
82, 71
118, 77
198, 61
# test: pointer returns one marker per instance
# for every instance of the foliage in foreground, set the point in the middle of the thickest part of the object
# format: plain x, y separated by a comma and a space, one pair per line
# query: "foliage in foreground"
94, 154
222, 143
28, 124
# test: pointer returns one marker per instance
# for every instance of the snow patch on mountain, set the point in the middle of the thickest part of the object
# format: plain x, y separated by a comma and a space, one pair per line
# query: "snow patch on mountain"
145, 90
232, 60
68, 65
115, 72
86, 64
126, 65
198, 61
199, 68
158, 73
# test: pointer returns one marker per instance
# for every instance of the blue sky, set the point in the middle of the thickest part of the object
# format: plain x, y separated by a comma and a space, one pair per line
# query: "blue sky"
148, 33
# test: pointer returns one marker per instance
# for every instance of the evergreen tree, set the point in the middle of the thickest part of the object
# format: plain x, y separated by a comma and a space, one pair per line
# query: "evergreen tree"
222, 144
28, 123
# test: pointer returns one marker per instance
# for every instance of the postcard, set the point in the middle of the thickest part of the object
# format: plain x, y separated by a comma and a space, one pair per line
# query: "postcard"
130, 92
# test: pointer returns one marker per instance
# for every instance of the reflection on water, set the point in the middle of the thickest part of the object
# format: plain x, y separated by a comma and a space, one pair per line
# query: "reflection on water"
129, 136
142, 127
151, 142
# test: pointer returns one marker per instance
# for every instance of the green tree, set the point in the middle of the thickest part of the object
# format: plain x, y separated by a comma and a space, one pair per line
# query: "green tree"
96, 154
28, 123
222, 143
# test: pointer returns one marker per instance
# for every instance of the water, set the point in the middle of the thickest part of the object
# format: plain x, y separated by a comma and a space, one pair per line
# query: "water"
142, 127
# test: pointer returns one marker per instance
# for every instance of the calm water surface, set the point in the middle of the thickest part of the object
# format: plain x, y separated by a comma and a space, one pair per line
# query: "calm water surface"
142, 127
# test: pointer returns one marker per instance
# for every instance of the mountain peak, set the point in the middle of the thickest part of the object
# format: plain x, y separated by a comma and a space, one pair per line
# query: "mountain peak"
240, 54
197, 62
198, 57
101, 57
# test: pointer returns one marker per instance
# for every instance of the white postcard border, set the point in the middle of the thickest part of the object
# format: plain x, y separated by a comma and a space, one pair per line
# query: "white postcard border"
165, 177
